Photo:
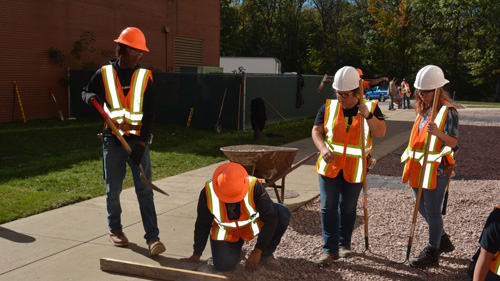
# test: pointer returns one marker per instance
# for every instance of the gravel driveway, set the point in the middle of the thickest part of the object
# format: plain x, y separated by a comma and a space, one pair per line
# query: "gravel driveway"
474, 191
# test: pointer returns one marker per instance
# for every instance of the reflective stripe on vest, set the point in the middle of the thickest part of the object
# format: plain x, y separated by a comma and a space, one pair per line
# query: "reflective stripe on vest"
224, 229
345, 145
413, 155
125, 109
406, 88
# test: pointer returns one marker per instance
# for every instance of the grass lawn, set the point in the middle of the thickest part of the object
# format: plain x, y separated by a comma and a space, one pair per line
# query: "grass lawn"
46, 164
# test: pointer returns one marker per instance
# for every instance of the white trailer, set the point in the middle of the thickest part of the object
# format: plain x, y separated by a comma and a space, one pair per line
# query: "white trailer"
250, 65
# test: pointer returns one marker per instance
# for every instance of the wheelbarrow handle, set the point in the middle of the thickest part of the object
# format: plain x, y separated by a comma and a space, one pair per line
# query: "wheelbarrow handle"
293, 167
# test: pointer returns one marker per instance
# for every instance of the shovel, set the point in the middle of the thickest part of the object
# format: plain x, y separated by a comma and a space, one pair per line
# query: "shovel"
218, 127
125, 145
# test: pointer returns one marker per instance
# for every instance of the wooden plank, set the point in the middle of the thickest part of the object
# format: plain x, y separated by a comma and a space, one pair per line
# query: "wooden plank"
156, 271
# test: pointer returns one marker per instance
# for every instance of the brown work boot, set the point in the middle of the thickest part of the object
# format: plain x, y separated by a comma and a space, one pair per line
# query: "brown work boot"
345, 253
270, 262
118, 238
325, 258
155, 247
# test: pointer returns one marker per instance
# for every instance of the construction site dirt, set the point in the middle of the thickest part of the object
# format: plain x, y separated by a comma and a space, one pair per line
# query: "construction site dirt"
473, 192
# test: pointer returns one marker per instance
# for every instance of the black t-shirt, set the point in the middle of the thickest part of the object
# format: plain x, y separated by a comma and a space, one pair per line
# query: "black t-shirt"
490, 238
349, 114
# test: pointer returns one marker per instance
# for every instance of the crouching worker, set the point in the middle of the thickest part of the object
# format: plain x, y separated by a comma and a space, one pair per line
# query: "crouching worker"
233, 208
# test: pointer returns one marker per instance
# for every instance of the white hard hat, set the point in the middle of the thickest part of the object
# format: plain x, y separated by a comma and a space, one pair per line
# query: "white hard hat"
346, 79
430, 77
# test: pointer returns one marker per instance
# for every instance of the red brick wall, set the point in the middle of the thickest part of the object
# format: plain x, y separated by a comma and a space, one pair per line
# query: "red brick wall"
29, 28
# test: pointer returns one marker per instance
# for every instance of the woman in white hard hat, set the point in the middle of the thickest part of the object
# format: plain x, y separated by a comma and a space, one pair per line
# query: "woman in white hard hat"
442, 134
337, 134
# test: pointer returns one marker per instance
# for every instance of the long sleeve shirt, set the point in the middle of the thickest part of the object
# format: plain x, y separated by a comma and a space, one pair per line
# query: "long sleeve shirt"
264, 206
96, 86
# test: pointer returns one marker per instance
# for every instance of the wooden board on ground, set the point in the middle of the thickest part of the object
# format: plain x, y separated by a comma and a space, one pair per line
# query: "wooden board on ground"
156, 271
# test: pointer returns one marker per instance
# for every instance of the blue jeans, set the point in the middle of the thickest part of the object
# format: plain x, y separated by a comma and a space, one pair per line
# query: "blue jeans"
406, 102
430, 206
338, 225
391, 102
115, 160
227, 255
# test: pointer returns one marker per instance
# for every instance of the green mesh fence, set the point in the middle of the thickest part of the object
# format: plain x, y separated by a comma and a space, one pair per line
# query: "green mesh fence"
177, 93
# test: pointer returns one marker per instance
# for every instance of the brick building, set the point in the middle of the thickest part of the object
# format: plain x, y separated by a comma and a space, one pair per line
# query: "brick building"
41, 39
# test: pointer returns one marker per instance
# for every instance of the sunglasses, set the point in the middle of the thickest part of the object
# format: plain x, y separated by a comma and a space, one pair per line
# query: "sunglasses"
344, 95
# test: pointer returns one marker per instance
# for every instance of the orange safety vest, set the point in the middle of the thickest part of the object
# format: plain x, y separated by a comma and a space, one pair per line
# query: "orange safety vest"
495, 265
406, 88
345, 145
125, 109
246, 227
415, 151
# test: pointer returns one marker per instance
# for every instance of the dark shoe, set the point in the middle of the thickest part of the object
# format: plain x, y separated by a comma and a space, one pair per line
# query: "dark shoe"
428, 257
345, 253
270, 262
325, 258
445, 246
118, 238
155, 247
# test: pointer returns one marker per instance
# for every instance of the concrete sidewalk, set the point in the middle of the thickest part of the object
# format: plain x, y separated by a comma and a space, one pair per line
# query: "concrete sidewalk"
67, 243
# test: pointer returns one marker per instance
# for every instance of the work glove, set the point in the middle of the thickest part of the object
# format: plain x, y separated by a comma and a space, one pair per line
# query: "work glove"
89, 99
136, 154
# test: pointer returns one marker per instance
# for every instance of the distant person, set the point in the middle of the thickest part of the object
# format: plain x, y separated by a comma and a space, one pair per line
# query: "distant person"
488, 262
391, 91
366, 83
443, 135
234, 207
111, 86
406, 93
337, 129
398, 96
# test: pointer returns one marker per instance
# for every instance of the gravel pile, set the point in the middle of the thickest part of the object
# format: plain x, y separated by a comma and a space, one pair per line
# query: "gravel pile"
473, 192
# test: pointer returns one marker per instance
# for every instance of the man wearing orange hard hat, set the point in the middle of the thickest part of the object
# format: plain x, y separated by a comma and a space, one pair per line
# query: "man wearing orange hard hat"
126, 92
234, 207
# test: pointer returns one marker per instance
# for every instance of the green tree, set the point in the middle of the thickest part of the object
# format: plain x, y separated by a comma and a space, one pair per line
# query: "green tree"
483, 58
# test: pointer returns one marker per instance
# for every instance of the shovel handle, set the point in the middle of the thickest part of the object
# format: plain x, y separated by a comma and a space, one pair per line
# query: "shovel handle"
99, 108
111, 124
125, 144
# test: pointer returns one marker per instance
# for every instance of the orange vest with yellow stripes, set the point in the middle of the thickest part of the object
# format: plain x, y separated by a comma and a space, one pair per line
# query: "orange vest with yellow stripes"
415, 151
125, 109
346, 146
246, 227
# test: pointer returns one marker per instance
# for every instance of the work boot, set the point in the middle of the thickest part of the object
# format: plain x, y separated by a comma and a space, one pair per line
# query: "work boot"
270, 262
155, 247
445, 246
118, 238
325, 258
345, 253
428, 257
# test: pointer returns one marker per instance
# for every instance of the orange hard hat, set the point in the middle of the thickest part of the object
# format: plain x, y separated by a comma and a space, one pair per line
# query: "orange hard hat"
359, 71
230, 182
133, 37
